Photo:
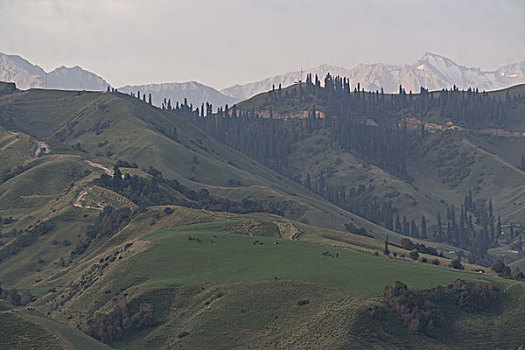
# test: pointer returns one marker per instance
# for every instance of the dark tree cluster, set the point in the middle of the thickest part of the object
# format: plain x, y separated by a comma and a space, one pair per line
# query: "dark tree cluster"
428, 311
125, 319
160, 191
108, 222
474, 227
505, 271
141, 191
421, 248
418, 314
411, 228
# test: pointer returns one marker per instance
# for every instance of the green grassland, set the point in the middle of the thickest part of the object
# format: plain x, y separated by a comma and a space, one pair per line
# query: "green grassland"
234, 292
230, 258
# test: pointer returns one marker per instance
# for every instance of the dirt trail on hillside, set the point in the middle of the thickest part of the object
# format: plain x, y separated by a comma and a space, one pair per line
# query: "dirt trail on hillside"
79, 201
467, 142
288, 230
9, 144
80, 198
41, 148
100, 166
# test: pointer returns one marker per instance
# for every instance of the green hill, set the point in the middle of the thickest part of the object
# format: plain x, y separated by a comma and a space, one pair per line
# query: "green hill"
226, 260
117, 126
394, 159
132, 225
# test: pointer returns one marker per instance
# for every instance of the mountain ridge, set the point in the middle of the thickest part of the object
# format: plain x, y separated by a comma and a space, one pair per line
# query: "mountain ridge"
14, 68
431, 71
194, 91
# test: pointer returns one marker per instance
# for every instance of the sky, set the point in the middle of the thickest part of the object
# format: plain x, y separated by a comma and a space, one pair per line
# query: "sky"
227, 42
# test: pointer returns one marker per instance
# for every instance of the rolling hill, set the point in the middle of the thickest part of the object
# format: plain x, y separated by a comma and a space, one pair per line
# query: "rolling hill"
398, 160
118, 126
130, 224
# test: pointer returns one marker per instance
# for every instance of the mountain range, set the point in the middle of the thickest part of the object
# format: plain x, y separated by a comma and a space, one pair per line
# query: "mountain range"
431, 71
26, 75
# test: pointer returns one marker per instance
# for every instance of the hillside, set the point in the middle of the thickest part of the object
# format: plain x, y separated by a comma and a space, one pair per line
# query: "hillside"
130, 224
25, 329
149, 262
404, 161
119, 126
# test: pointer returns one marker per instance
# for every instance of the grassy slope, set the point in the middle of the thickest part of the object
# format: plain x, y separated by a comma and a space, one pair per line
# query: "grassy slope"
225, 292
127, 128
488, 177
266, 315
233, 258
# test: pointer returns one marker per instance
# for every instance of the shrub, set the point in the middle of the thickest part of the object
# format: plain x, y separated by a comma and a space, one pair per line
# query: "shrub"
506, 271
303, 302
435, 262
456, 264
407, 243
414, 255
498, 266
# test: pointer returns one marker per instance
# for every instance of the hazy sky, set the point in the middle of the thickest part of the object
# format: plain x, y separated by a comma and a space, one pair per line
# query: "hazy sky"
223, 42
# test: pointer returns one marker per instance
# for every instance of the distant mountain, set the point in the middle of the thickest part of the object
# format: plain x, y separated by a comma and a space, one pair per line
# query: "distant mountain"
248, 90
26, 76
431, 71
195, 92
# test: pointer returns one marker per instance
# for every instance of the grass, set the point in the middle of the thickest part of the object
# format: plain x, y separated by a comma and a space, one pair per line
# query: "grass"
232, 258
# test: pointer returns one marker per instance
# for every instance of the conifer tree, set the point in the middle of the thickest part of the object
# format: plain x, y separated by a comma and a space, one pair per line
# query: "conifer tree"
423, 227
